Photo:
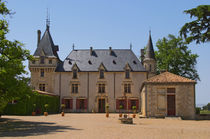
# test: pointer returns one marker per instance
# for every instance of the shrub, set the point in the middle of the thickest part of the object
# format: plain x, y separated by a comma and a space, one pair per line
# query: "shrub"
26, 103
197, 110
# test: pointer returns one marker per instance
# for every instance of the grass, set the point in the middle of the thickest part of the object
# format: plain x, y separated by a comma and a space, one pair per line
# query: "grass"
204, 112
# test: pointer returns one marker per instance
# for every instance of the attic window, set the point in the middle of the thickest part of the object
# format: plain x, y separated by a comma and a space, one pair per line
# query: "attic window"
70, 63
89, 62
134, 62
114, 62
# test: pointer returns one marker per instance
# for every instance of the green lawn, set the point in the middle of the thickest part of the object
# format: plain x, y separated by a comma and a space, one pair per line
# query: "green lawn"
204, 112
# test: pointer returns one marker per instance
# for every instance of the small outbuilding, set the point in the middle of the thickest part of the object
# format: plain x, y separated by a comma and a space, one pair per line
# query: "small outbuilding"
168, 94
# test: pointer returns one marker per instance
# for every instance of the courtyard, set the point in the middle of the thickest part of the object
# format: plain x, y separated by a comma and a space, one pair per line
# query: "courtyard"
98, 126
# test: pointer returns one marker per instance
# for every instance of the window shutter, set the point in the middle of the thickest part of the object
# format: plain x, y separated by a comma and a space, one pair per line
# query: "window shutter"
117, 104
125, 104
137, 104
129, 104
85, 103
63, 101
71, 103
77, 104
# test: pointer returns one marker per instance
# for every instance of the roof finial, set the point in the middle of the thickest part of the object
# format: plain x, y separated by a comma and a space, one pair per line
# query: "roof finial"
73, 46
48, 20
131, 46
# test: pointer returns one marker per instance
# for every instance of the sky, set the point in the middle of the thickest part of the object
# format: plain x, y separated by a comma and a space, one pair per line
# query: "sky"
107, 23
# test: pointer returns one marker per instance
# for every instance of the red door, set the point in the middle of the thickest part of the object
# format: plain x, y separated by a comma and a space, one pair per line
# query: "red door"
171, 105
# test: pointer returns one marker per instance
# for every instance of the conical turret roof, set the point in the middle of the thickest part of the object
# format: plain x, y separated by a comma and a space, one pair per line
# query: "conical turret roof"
46, 45
150, 54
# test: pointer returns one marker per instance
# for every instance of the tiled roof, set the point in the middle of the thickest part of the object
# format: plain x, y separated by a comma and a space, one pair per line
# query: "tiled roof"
116, 60
168, 77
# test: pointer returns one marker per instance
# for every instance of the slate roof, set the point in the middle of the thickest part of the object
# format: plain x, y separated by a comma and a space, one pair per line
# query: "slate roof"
167, 77
116, 61
46, 44
149, 49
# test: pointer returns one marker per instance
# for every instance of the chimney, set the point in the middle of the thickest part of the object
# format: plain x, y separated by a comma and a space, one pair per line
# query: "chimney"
110, 50
39, 36
142, 55
91, 50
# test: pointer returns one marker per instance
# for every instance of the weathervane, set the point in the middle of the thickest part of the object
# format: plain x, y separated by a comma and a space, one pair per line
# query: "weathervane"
48, 19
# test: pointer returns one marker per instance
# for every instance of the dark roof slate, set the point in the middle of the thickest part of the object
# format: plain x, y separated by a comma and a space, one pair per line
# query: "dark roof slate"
116, 61
149, 49
46, 45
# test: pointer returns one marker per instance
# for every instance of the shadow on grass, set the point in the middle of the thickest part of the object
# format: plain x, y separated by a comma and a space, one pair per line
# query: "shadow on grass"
16, 128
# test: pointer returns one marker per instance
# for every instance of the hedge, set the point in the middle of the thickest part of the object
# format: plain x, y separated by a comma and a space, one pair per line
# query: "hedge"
25, 105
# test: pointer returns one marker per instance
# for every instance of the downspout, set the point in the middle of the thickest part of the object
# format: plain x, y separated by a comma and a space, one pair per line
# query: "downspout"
88, 92
145, 100
114, 92
60, 87
194, 102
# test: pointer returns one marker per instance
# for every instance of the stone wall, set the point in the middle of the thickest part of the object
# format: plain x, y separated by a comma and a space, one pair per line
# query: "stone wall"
184, 100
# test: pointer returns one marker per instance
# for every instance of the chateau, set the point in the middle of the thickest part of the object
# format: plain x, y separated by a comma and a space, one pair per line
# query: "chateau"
88, 80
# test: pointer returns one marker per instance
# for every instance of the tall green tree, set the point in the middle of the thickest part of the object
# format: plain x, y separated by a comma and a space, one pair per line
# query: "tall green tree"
199, 29
12, 55
173, 55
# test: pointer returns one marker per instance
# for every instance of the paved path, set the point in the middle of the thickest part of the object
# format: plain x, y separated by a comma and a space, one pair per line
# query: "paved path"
76, 126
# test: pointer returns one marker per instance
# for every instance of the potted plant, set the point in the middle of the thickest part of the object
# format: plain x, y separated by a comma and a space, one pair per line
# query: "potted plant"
107, 110
121, 107
46, 108
62, 108
34, 110
134, 111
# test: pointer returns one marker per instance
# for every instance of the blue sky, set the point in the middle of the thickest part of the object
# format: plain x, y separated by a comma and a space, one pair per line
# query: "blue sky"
105, 23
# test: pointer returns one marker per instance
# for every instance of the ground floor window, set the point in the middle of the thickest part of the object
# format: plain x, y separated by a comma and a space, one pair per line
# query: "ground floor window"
81, 104
121, 104
68, 103
132, 103
42, 87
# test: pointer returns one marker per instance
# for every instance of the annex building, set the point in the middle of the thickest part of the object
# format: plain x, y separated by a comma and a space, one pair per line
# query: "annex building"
89, 79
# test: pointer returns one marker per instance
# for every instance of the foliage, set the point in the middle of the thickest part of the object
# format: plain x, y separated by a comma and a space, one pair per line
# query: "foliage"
173, 55
197, 110
204, 112
34, 107
133, 107
46, 107
12, 55
26, 103
121, 106
206, 107
199, 29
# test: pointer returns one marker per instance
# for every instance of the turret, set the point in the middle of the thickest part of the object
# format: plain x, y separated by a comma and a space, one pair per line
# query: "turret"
149, 60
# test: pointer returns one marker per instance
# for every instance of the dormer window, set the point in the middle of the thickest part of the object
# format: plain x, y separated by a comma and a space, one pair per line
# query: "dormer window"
101, 73
33, 61
127, 74
74, 74
50, 61
42, 60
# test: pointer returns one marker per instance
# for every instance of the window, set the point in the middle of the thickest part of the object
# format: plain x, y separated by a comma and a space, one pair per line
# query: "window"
101, 88
67, 103
41, 72
33, 61
127, 74
42, 87
42, 60
50, 61
74, 88
150, 67
171, 90
122, 103
81, 104
133, 103
74, 74
101, 74
127, 88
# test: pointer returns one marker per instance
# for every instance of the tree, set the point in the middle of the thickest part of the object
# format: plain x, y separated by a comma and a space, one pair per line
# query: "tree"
12, 55
206, 107
173, 55
199, 29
